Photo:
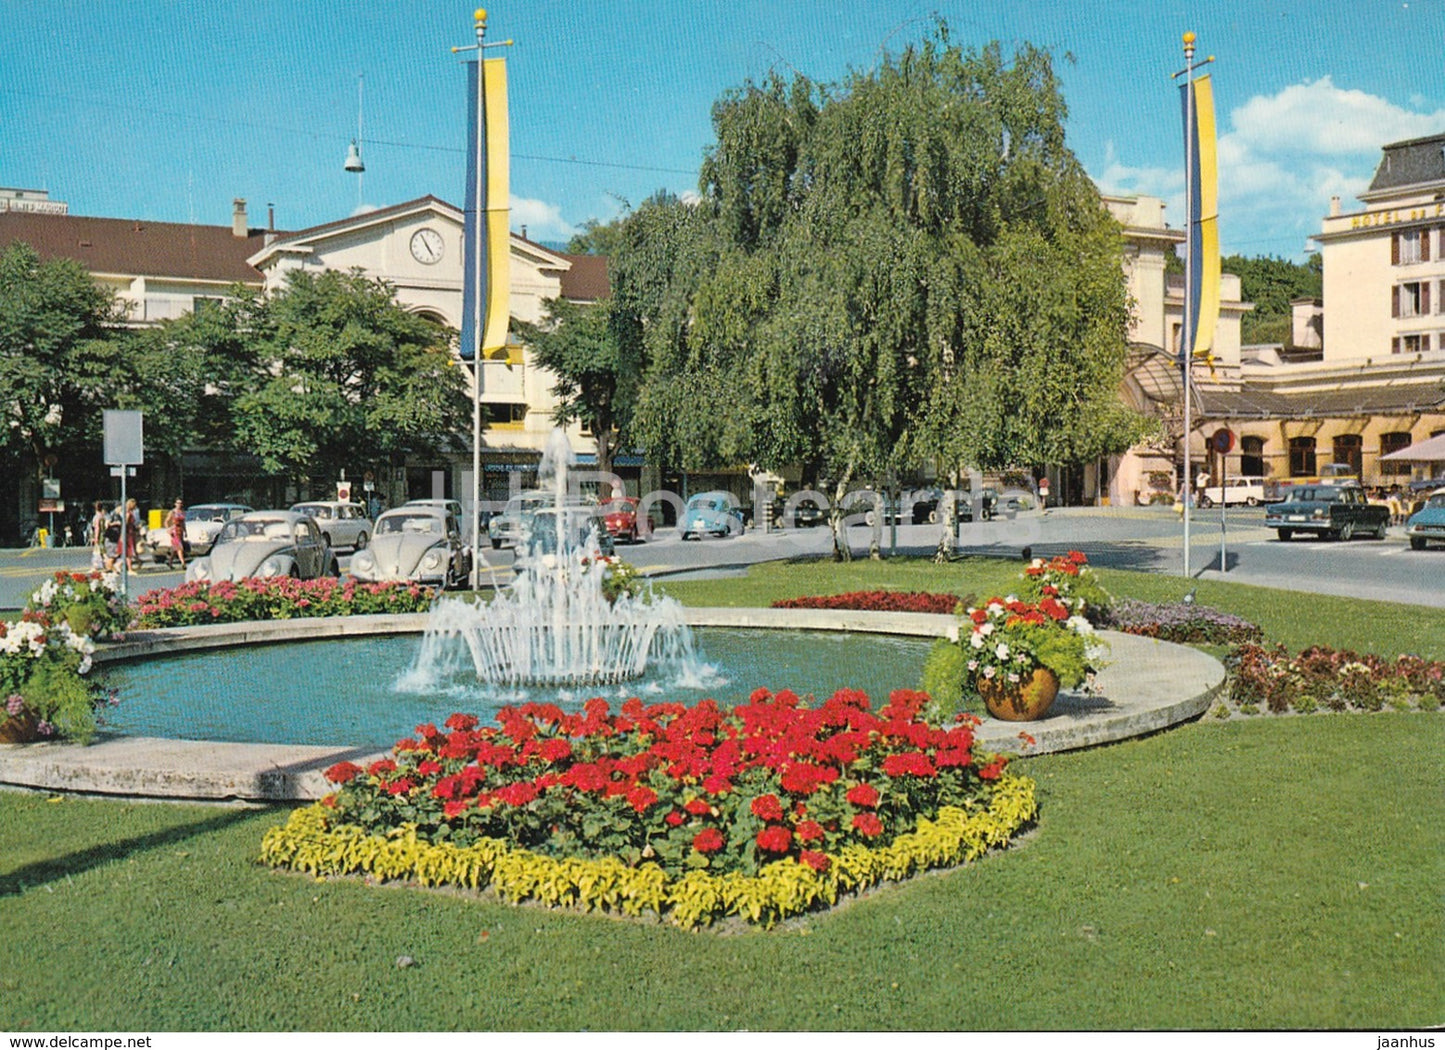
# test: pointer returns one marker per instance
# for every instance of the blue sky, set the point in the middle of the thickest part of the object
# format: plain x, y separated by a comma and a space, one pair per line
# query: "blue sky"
166, 111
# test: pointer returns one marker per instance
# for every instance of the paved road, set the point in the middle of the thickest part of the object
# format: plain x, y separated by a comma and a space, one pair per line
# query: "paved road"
1144, 538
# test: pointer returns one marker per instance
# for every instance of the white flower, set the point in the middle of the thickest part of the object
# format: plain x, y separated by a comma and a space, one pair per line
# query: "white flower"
989, 672
985, 629
976, 640
1001, 650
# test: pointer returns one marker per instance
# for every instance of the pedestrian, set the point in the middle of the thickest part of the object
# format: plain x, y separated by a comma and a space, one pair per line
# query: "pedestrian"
98, 557
110, 531
176, 523
132, 533
1044, 493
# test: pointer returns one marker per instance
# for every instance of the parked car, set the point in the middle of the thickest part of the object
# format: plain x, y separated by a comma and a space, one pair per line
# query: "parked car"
1428, 523
582, 529
449, 506
418, 543
265, 543
928, 505
341, 524
1333, 510
1247, 489
203, 522
620, 517
506, 529
710, 514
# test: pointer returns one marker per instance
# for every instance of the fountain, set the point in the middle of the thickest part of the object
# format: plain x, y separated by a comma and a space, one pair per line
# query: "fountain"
554, 625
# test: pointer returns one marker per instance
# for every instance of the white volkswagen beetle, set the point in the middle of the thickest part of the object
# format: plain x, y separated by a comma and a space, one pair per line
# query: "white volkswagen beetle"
419, 543
265, 544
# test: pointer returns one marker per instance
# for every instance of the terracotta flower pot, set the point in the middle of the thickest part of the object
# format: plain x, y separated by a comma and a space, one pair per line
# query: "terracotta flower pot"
21, 728
1025, 702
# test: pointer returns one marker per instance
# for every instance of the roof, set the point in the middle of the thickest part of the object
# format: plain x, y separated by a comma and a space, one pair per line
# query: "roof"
1411, 163
135, 246
587, 280
1349, 401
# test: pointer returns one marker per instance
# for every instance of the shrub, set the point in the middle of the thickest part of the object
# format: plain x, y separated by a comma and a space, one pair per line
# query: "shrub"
1336, 679
1178, 622
276, 599
876, 601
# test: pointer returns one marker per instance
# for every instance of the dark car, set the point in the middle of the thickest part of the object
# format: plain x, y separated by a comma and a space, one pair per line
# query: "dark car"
1333, 510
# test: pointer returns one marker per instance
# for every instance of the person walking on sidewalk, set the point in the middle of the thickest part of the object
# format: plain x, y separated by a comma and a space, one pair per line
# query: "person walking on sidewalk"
176, 523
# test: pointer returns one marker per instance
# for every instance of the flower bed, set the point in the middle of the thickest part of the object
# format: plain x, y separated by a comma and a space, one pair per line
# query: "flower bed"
1178, 622
275, 599
876, 601
1320, 678
46, 655
690, 812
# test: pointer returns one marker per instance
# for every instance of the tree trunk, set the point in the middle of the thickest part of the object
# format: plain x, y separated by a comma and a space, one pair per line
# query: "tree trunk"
841, 550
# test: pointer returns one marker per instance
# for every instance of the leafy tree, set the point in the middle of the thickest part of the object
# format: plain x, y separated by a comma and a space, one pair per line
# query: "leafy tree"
1271, 284
57, 358
908, 264
596, 368
344, 376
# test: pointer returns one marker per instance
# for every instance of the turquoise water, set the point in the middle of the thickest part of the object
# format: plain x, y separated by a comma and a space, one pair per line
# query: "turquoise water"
358, 691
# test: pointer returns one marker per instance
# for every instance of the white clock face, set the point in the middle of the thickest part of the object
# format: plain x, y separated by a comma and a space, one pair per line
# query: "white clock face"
426, 246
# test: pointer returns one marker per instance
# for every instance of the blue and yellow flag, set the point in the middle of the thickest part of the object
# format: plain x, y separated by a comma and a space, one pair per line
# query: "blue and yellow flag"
1200, 151
487, 255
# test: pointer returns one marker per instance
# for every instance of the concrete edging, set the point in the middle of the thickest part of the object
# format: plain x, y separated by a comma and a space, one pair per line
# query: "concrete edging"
1148, 685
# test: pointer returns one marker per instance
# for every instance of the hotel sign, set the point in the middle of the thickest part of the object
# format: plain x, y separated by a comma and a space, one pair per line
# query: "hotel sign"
35, 207
1397, 215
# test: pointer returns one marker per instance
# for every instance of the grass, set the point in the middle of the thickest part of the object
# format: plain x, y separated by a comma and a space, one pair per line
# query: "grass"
1294, 618
1263, 873
1194, 879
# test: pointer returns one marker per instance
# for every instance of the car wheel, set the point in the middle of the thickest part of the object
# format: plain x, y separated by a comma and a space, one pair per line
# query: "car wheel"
1285, 534
1346, 532
496, 545
1416, 543
1205, 502
1252, 502
1380, 531
361, 539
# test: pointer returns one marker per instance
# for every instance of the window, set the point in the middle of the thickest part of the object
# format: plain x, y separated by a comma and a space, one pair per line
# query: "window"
1301, 457
505, 416
1410, 299
201, 305
1410, 246
1415, 343
1394, 442
1251, 457
1347, 450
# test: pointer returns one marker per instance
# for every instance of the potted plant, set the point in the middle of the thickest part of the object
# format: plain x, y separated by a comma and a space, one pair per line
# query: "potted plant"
1070, 579
1014, 655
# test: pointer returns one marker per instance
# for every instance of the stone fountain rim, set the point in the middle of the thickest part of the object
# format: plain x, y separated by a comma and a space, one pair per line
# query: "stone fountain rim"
1150, 685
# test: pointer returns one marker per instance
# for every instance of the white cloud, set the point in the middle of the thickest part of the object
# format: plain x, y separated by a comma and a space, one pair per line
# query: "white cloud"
543, 221
1281, 158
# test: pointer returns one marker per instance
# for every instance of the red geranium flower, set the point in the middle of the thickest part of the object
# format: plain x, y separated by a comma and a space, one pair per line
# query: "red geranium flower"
343, 772
809, 831
817, 861
641, 798
675, 818
865, 795
697, 807
775, 839
462, 723
868, 824
708, 840
993, 770
767, 807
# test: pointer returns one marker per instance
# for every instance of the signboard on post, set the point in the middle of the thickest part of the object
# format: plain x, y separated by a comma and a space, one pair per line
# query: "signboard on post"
124, 446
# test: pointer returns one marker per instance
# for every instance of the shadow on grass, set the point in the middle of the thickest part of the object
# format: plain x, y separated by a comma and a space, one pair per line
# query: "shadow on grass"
52, 870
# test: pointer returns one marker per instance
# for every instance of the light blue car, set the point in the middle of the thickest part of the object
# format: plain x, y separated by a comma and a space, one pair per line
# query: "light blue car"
711, 514
1429, 523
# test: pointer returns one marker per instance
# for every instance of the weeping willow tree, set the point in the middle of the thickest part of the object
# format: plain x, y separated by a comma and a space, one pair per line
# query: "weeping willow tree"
909, 264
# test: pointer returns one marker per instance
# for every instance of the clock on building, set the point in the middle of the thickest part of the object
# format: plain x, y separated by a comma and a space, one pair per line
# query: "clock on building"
426, 246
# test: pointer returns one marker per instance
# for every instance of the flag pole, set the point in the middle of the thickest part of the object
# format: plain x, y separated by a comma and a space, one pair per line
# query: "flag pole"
1191, 235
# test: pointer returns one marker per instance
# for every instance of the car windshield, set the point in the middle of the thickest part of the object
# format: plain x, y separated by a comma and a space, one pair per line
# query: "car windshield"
205, 513
252, 530
1437, 501
316, 510
389, 524
704, 504
619, 506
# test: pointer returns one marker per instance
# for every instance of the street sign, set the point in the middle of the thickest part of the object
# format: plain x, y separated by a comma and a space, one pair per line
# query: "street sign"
123, 441
1222, 440
117, 472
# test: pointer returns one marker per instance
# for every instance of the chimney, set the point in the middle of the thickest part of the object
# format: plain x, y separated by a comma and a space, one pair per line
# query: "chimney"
239, 224
1334, 205
271, 217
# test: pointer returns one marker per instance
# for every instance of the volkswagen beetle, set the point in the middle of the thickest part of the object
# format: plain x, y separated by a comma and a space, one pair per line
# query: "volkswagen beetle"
412, 542
265, 544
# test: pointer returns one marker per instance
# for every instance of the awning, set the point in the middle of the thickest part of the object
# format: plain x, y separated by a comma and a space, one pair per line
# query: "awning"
1431, 450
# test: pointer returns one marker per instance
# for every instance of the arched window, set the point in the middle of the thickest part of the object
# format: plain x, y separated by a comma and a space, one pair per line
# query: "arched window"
1394, 442
1347, 449
1301, 457
1251, 456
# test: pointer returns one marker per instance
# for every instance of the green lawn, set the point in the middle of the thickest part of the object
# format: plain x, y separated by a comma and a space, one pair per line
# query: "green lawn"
1272, 872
